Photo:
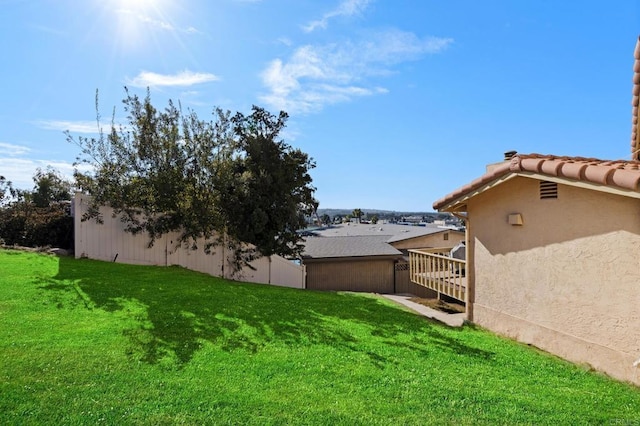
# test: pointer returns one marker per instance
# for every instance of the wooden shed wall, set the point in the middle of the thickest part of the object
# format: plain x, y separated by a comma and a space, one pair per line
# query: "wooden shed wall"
368, 275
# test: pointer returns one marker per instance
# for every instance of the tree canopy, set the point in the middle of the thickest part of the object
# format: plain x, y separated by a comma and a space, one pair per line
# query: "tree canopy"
230, 180
49, 187
325, 219
357, 213
38, 217
5, 189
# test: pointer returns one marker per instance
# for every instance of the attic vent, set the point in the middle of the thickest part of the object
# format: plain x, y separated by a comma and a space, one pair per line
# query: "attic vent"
548, 190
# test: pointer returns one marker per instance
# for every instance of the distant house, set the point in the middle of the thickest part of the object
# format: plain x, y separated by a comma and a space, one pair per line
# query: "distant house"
402, 237
370, 258
426, 237
351, 263
552, 256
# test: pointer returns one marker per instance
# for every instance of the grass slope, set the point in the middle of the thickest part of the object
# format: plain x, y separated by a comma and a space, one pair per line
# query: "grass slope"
83, 342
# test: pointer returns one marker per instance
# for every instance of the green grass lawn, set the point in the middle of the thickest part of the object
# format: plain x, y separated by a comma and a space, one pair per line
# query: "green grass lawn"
87, 342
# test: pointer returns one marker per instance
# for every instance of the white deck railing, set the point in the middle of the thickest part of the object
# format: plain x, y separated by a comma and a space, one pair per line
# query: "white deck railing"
435, 269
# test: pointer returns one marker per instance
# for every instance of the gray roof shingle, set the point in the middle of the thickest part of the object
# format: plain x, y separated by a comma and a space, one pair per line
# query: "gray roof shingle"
418, 231
393, 232
352, 246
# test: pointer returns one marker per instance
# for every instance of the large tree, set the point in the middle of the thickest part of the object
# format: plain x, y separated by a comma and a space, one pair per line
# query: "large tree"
325, 219
357, 213
5, 189
38, 217
230, 180
50, 187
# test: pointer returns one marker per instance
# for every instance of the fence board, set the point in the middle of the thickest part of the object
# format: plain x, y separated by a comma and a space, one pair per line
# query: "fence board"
110, 242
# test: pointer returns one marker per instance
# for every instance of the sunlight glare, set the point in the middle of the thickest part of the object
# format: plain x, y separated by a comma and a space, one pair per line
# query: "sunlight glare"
136, 20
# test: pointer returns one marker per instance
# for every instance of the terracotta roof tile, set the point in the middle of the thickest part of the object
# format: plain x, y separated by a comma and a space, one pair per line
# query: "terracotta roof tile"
626, 178
635, 91
552, 167
533, 164
621, 174
596, 174
574, 170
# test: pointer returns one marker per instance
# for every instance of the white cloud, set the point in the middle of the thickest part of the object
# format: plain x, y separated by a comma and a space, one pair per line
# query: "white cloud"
48, 30
131, 14
192, 30
20, 171
65, 168
315, 76
394, 46
163, 25
346, 8
289, 135
90, 127
85, 127
13, 150
184, 78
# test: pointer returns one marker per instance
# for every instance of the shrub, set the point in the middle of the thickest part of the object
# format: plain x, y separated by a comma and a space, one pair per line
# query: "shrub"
25, 225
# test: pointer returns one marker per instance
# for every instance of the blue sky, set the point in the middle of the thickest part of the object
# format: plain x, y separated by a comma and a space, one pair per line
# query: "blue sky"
398, 102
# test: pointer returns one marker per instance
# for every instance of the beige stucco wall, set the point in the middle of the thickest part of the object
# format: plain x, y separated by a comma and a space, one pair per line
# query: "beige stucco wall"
568, 279
433, 240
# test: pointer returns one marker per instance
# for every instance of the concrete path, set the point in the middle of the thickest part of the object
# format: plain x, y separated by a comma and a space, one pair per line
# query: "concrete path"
452, 320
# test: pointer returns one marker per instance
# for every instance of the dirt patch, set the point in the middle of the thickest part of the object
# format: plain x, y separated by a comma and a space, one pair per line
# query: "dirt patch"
440, 305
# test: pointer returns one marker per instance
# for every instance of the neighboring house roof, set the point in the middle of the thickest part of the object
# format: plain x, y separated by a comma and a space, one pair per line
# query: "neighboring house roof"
412, 232
621, 175
357, 246
393, 232
635, 129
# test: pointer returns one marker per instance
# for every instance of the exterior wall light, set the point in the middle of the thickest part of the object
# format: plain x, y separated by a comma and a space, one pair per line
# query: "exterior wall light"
515, 219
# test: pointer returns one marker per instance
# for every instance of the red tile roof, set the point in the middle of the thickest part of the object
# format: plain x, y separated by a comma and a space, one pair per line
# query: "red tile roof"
619, 174
635, 127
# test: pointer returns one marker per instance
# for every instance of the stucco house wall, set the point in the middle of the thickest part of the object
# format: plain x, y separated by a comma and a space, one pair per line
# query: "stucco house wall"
567, 280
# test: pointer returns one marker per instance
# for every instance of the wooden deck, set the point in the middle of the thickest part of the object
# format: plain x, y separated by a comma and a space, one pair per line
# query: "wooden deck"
434, 269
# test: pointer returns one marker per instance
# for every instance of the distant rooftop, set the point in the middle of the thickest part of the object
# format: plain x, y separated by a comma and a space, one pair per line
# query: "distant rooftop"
353, 246
392, 231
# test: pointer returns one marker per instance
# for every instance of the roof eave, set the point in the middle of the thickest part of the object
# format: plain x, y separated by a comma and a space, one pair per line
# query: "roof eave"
459, 204
347, 258
583, 184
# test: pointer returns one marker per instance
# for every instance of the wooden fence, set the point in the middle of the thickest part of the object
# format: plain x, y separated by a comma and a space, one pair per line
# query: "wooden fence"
110, 242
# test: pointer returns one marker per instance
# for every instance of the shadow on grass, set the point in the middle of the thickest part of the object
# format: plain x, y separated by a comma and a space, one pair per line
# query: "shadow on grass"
171, 312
